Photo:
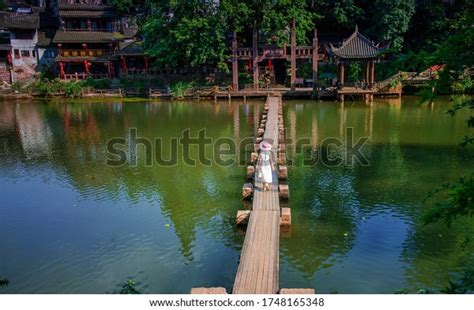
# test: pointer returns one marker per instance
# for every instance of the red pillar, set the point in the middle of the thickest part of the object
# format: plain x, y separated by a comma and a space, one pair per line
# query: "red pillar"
255, 55
315, 58
293, 54
235, 64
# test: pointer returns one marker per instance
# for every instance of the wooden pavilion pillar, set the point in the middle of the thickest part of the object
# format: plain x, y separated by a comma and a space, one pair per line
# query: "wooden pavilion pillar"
372, 72
235, 64
315, 59
367, 72
293, 55
340, 73
255, 55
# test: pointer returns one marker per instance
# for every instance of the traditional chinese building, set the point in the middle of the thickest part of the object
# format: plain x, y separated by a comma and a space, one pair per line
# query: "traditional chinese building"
22, 21
5, 58
357, 48
269, 64
89, 38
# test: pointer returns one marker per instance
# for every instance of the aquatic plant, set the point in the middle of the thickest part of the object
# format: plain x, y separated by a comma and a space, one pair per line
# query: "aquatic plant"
4, 282
129, 288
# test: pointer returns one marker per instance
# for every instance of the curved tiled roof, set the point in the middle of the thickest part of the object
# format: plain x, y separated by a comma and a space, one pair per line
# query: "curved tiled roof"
357, 46
19, 21
86, 37
83, 5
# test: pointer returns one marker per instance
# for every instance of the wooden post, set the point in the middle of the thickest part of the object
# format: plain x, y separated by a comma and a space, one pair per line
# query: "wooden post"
255, 55
315, 59
367, 72
235, 64
372, 73
293, 55
341, 73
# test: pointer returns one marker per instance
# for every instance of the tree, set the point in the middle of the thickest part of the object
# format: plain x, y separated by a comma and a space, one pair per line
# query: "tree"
391, 20
277, 20
185, 33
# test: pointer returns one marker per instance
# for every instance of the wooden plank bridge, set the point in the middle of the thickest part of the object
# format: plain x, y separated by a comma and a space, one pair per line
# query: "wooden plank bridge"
259, 266
258, 271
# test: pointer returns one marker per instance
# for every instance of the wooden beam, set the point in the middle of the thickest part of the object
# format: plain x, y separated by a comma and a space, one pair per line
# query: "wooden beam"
293, 55
255, 55
235, 64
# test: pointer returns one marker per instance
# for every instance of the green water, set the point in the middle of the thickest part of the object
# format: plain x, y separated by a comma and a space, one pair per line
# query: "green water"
69, 223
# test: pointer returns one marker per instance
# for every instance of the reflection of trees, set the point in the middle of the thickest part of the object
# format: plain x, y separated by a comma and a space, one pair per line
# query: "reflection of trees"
406, 151
191, 197
322, 200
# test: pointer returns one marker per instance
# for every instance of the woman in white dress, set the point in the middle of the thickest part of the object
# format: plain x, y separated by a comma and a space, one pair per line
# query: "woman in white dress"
265, 164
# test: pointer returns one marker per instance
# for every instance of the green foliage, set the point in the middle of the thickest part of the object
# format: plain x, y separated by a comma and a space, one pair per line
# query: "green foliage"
277, 20
4, 282
393, 20
355, 71
452, 201
343, 13
129, 288
96, 83
179, 89
47, 88
72, 89
185, 33
125, 6
17, 86
462, 286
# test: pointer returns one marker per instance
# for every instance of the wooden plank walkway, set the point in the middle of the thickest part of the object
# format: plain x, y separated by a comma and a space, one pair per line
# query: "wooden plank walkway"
258, 271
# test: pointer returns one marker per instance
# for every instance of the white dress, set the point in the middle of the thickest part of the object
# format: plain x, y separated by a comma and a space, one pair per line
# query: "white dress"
265, 166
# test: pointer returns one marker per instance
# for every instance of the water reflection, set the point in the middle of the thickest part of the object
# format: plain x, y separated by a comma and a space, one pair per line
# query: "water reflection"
72, 224
170, 228
360, 226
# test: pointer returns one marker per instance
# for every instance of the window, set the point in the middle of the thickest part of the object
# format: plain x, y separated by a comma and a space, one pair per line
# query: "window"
16, 53
25, 53
34, 53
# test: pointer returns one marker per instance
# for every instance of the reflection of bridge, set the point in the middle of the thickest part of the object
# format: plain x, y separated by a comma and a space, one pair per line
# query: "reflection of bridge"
258, 270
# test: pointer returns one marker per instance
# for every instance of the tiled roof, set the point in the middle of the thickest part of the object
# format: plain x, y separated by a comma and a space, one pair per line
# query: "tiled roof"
88, 14
5, 47
19, 21
43, 39
130, 32
133, 48
357, 46
86, 37
92, 5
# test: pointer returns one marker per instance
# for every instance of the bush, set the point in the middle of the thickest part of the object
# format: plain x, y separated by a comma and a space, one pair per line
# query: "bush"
72, 89
179, 89
17, 86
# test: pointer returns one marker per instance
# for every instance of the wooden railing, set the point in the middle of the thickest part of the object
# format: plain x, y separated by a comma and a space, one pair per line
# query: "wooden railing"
244, 53
275, 52
304, 51
83, 76
165, 71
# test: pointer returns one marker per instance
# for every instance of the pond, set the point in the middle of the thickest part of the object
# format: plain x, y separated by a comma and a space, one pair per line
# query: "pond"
70, 222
